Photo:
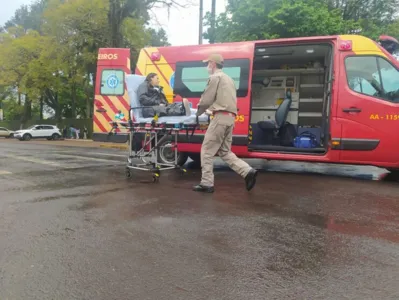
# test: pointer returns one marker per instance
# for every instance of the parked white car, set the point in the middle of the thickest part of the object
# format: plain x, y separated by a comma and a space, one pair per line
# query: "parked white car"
49, 132
4, 132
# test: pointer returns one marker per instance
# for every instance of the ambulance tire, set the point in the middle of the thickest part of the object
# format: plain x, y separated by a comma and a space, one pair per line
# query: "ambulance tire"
392, 176
196, 158
166, 154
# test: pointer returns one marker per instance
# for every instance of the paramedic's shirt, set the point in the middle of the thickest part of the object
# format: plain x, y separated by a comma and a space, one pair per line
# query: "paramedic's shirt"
220, 94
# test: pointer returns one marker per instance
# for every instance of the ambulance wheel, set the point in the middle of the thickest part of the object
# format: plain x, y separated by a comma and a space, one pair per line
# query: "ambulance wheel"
196, 158
166, 154
128, 173
393, 175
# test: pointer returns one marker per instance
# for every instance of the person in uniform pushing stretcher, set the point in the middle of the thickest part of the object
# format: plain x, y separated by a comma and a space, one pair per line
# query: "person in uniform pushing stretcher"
220, 100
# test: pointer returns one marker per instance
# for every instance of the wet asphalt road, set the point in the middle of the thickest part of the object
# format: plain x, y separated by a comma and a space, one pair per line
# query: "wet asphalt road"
72, 227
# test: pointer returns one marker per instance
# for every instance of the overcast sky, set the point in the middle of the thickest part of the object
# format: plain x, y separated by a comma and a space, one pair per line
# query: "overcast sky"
181, 26
8, 8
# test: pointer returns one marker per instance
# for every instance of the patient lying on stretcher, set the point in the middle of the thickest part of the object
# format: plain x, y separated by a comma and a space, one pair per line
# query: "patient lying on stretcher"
150, 94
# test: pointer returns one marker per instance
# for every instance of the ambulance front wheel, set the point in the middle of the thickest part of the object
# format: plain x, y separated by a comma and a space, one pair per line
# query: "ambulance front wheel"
196, 158
393, 175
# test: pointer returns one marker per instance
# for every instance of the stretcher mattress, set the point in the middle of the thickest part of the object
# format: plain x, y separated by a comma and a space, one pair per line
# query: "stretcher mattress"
132, 82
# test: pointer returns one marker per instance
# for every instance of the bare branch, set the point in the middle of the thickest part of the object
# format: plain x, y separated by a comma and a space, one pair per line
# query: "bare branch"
170, 4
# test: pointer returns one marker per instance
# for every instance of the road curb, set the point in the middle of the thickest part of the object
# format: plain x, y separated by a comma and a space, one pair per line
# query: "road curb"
113, 146
77, 140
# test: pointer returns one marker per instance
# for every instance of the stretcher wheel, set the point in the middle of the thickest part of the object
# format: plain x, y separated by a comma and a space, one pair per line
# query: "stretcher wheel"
156, 170
155, 177
128, 173
183, 171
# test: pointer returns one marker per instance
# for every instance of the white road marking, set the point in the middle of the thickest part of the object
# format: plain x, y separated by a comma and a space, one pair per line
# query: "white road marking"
3, 172
107, 154
88, 158
58, 165
35, 160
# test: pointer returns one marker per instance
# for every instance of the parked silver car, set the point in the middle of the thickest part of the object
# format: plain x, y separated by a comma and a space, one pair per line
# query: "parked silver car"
6, 133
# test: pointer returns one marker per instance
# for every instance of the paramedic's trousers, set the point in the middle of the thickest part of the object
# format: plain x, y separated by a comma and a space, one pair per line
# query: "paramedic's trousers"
218, 140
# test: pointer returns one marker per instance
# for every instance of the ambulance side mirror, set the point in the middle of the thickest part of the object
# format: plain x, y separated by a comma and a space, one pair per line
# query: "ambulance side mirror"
389, 43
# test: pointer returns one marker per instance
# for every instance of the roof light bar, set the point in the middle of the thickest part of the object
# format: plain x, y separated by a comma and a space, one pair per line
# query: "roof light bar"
345, 45
155, 56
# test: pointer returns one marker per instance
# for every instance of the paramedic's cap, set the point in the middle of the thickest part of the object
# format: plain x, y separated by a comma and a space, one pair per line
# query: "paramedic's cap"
217, 58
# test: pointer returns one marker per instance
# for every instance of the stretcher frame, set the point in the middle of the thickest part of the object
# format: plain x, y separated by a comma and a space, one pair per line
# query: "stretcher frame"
156, 133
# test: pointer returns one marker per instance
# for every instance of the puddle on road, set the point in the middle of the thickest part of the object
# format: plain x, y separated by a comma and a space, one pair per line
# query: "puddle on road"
306, 199
77, 195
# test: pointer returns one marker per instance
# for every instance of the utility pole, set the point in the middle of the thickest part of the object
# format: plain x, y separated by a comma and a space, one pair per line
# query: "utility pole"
201, 16
213, 21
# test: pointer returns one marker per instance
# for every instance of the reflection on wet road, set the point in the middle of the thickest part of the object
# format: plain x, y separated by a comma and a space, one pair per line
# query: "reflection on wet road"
72, 227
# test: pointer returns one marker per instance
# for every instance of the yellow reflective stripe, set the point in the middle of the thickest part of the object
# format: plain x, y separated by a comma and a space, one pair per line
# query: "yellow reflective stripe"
141, 62
103, 122
96, 129
160, 66
162, 81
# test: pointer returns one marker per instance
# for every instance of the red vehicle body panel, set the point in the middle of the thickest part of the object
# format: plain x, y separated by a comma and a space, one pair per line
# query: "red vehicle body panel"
345, 128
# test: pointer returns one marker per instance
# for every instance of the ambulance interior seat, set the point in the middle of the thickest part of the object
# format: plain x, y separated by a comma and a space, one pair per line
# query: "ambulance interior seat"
133, 82
271, 128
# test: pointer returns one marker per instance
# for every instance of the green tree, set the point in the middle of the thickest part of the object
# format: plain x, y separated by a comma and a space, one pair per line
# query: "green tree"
11, 109
265, 19
29, 17
26, 18
158, 38
122, 10
17, 53
48, 50
243, 20
306, 18
373, 16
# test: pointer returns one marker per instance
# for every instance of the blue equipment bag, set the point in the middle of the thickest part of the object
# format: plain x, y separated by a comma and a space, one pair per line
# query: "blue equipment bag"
305, 140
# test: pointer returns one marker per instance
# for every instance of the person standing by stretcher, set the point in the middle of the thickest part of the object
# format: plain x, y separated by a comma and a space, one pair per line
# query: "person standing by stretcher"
151, 94
220, 100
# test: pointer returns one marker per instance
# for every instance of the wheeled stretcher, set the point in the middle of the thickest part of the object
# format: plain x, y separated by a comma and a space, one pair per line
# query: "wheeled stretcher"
155, 131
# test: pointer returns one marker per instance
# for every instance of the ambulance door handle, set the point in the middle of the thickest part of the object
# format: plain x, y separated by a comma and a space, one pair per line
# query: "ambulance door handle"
351, 110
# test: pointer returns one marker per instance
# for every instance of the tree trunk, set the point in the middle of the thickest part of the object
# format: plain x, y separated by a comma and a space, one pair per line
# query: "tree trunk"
88, 108
213, 21
41, 108
58, 113
114, 21
90, 102
73, 99
27, 115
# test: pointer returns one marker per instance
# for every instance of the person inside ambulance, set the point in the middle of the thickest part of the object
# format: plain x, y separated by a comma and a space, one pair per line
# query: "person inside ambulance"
151, 94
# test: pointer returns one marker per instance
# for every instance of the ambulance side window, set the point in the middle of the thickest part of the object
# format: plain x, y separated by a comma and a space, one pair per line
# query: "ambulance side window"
390, 80
191, 77
112, 82
373, 76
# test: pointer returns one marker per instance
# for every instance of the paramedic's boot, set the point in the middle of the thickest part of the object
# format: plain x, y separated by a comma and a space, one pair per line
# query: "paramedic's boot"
186, 105
203, 189
250, 179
